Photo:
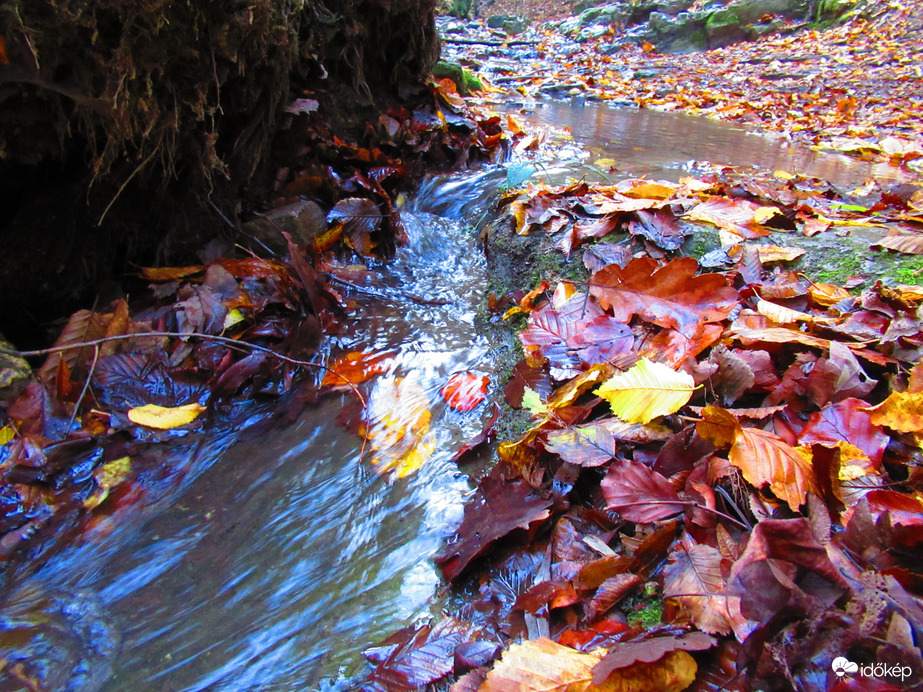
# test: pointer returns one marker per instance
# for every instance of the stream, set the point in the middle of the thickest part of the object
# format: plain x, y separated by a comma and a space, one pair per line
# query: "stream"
277, 566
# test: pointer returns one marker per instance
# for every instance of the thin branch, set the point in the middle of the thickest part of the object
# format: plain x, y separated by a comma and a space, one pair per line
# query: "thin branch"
686, 503
231, 343
83, 392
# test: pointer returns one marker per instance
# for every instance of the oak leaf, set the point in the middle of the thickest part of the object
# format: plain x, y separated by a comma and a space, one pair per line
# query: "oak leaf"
668, 296
646, 391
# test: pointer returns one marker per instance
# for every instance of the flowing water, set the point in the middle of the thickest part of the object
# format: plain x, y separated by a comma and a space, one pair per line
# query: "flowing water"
290, 554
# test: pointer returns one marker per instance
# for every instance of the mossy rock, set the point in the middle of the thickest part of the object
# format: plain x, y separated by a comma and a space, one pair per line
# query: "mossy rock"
465, 81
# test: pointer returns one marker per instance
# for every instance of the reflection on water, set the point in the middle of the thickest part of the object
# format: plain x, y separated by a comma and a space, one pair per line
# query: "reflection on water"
668, 145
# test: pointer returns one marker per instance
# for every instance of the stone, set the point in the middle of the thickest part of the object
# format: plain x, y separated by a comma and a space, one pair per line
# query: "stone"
723, 28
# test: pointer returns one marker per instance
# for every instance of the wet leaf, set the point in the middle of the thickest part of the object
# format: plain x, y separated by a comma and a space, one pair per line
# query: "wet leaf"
739, 216
360, 218
465, 391
668, 296
543, 665
766, 459
497, 508
646, 391
356, 367
626, 655
107, 477
398, 426
639, 494
164, 418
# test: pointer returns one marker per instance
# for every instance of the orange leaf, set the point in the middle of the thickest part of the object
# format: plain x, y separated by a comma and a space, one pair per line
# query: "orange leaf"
718, 426
355, 367
901, 411
766, 459
465, 391
542, 664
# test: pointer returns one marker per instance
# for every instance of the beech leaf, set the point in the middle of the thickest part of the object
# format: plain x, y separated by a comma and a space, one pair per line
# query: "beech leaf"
163, 417
901, 411
646, 391
766, 459
668, 296
639, 494
546, 666
595, 443
465, 391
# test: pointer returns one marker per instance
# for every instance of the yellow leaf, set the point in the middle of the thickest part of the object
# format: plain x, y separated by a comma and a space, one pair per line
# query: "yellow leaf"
398, 429
901, 411
6, 434
164, 418
234, 316
646, 391
542, 664
107, 477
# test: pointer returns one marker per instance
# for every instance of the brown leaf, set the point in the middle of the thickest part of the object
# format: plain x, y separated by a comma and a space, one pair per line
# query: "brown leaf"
740, 216
543, 665
693, 577
846, 421
626, 654
360, 218
413, 658
668, 296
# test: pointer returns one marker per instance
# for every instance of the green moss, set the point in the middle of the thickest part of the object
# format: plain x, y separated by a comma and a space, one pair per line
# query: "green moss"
835, 267
902, 269
647, 614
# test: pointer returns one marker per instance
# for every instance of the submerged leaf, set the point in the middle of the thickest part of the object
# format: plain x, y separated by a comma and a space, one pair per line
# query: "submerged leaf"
398, 423
646, 391
465, 391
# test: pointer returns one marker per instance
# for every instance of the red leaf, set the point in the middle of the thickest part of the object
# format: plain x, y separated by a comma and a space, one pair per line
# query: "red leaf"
639, 494
845, 422
465, 391
668, 296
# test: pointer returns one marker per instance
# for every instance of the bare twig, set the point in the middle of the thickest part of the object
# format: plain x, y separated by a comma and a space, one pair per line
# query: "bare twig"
83, 392
231, 343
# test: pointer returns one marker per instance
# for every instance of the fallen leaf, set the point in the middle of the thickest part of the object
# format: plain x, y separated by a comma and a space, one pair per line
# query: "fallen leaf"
668, 296
639, 494
465, 391
593, 444
356, 367
497, 508
398, 426
765, 459
646, 391
543, 665
739, 216
164, 418
107, 477
901, 411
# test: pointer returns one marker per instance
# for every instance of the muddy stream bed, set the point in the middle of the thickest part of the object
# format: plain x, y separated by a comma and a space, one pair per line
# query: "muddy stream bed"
278, 564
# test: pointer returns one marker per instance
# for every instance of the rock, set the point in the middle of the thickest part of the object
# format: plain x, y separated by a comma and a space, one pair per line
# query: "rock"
496, 21
465, 81
613, 13
724, 28
302, 220
15, 372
